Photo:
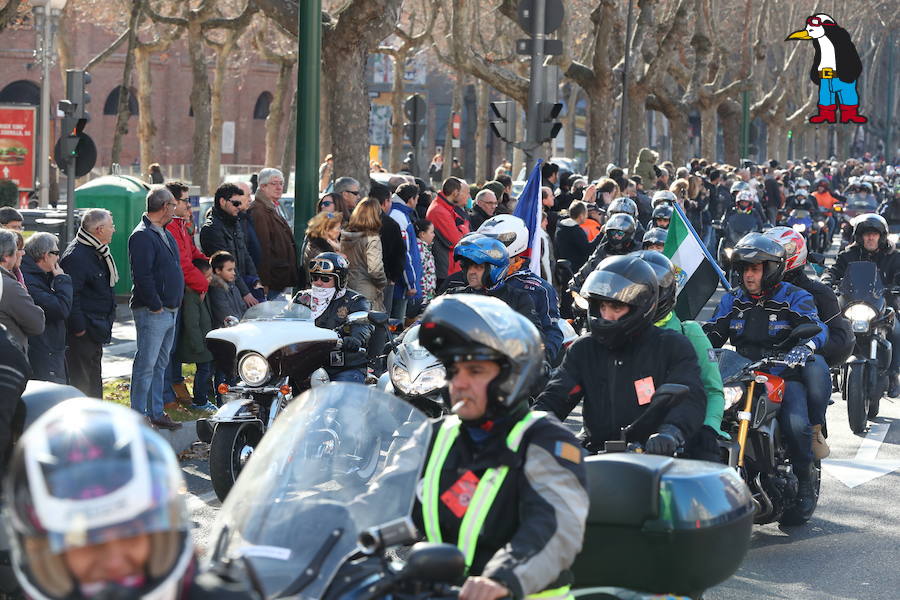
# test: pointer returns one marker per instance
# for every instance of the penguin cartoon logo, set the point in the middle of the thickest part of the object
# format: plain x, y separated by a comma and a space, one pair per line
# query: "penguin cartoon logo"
835, 69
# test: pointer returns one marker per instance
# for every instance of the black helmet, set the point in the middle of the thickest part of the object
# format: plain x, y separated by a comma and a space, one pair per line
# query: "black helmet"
739, 186
474, 327
870, 222
664, 197
619, 231
665, 275
626, 279
662, 211
756, 248
655, 235
86, 473
622, 206
331, 263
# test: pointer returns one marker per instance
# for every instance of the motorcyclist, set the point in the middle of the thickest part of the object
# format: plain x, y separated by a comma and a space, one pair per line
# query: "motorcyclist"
871, 243
703, 445
618, 238
664, 197
504, 483
661, 216
756, 318
513, 232
890, 208
97, 510
745, 204
816, 373
826, 200
655, 239
331, 302
626, 206
485, 264
616, 368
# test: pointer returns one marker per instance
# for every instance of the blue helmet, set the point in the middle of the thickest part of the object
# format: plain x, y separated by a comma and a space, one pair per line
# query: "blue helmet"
479, 249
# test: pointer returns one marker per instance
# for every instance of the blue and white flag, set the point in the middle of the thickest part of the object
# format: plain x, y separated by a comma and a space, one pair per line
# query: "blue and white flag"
528, 208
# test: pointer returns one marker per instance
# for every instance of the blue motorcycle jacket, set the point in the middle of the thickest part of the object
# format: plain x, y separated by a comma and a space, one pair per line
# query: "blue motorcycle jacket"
546, 304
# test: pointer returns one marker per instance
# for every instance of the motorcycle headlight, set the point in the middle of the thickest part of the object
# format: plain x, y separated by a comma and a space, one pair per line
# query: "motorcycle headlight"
728, 253
799, 227
860, 312
426, 382
253, 369
580, 301
821, 224
733, 395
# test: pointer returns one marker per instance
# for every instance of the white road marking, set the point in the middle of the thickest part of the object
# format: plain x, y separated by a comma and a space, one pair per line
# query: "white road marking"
865, 467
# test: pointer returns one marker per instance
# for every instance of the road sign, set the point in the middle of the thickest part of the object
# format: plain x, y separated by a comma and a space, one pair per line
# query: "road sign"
85, 155
551, 47
553, 17
457, 126
17, 141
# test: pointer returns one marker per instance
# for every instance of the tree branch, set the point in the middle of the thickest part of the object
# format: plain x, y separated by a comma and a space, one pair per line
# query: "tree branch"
155, 16
108, 51
235, 23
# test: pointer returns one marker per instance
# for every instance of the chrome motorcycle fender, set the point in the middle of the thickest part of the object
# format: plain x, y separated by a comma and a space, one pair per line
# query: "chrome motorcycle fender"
234, 411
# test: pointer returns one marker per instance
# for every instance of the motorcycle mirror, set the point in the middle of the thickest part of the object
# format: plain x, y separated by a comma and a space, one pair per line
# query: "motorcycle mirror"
664, 397
376, 318
816, 258
358, 317
438, 563
800, 332
398, 532
231, 321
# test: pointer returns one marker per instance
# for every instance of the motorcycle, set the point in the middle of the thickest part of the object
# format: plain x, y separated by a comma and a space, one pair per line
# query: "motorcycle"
734, 227
753, 398
857, 203
864, 377
414, 374
276, 350
287, 536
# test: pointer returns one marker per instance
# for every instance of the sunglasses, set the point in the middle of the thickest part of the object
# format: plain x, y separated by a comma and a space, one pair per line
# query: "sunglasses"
236, 203
53, 252
817, 22
324, 278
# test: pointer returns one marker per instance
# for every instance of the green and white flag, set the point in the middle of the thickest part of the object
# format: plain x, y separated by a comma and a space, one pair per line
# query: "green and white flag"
697, 273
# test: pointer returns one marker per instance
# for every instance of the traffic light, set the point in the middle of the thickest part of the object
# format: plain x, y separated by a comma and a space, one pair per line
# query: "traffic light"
504, 126
76, 93
548, 126
415, 110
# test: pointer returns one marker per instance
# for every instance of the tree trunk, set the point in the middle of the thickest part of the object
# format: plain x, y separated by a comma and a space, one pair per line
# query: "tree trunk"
146, 127
122, 112
678, 133
599, 139
455, 109
397, 116
636, 135
216, 119
481, 131
569, 121
731, 131
708, 130
290, 142
275, 120
200, 102
326, 86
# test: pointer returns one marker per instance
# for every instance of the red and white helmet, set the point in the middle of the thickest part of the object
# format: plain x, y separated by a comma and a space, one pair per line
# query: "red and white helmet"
794, 244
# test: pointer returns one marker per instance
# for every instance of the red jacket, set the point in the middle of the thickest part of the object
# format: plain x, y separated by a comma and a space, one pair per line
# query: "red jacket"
450, 227
188, 252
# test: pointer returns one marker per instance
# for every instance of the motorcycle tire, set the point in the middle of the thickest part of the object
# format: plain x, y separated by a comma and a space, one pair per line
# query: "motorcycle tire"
790, 517
226, 454
875, 398
857, 397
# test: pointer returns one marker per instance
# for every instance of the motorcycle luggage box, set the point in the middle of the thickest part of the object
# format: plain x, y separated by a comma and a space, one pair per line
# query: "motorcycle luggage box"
662, 525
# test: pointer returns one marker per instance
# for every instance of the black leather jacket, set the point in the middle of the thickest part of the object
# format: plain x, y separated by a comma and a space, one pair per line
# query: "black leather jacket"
335, 317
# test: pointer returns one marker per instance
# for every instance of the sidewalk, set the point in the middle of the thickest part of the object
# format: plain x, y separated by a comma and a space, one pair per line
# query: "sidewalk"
118, 356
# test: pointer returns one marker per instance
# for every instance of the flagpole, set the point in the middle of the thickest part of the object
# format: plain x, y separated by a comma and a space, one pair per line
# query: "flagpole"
703, 247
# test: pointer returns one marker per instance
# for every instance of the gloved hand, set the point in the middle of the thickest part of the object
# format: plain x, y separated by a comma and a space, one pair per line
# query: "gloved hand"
351, 344
797, 356
664, 442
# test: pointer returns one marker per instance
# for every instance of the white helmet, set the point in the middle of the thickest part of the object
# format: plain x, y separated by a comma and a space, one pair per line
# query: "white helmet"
510, 230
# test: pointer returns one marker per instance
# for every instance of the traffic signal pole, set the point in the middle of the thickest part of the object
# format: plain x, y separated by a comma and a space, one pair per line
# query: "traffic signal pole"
534, 150
306, 186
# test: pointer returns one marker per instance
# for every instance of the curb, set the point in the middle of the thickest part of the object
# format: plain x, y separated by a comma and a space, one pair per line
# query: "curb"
181, 439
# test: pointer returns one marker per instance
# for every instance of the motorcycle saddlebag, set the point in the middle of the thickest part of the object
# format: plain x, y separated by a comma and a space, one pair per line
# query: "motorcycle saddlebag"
662, 525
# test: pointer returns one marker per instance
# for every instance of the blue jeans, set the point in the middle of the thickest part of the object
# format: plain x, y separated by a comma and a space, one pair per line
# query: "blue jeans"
398, 310
835, 91
155, 336
173, 369
388, 297
794, 421
350, 376
202, 382
817, 379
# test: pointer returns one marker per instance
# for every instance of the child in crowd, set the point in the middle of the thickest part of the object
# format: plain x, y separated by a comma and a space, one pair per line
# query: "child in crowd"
425, 239
224, 296
196, 322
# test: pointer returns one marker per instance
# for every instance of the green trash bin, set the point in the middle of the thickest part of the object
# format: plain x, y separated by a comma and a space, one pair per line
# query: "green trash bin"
126, 198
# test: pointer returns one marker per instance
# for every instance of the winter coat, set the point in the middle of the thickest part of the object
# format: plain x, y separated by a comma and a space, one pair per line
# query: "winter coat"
412, 266
427, 282
644, 167
13, 377
393, 249
158, 281
335, 317
887, 259
47, 351
605, 379
196, 322
367, 275
450, 225
477, 216
841, 338
225, 300
572, 243
18, 312
221, 231
254, 248
94, 300
277, 268
188, 252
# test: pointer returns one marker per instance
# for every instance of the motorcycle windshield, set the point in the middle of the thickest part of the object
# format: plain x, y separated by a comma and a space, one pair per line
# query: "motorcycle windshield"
862, 284
739, 225
295, 513
862, 202
730, 363
278, 310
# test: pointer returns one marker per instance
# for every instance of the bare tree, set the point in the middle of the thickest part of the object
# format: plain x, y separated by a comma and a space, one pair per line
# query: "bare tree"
285, 60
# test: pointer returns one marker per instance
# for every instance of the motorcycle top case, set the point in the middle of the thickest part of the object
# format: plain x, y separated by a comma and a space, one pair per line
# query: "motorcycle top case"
662, 525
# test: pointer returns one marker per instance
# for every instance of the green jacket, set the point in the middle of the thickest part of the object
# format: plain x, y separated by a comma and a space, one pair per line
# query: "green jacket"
709, 370
196, 322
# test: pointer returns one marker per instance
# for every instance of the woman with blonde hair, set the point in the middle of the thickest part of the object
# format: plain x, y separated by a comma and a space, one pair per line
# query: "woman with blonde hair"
361, 243
323, 233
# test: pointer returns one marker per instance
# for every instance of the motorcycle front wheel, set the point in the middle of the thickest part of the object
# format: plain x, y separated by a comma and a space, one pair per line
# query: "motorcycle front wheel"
232, 445
857, 396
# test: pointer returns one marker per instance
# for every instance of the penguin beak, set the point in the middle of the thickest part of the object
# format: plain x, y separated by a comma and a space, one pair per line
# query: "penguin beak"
799, 35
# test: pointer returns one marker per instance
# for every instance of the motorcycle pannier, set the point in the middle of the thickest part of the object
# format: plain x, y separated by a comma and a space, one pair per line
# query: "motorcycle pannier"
662, 525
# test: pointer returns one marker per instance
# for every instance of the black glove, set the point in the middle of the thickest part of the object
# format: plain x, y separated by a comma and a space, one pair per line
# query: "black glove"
798, 356
665, 442
351, 344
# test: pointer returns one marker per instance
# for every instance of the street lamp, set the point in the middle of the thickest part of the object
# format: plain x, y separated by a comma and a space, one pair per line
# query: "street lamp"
46, 25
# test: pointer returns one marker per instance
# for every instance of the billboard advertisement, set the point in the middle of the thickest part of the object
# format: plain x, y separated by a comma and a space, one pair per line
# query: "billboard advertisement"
17, 144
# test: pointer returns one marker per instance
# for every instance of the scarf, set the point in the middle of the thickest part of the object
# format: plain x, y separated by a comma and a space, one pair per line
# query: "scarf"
83, 237
320, 299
